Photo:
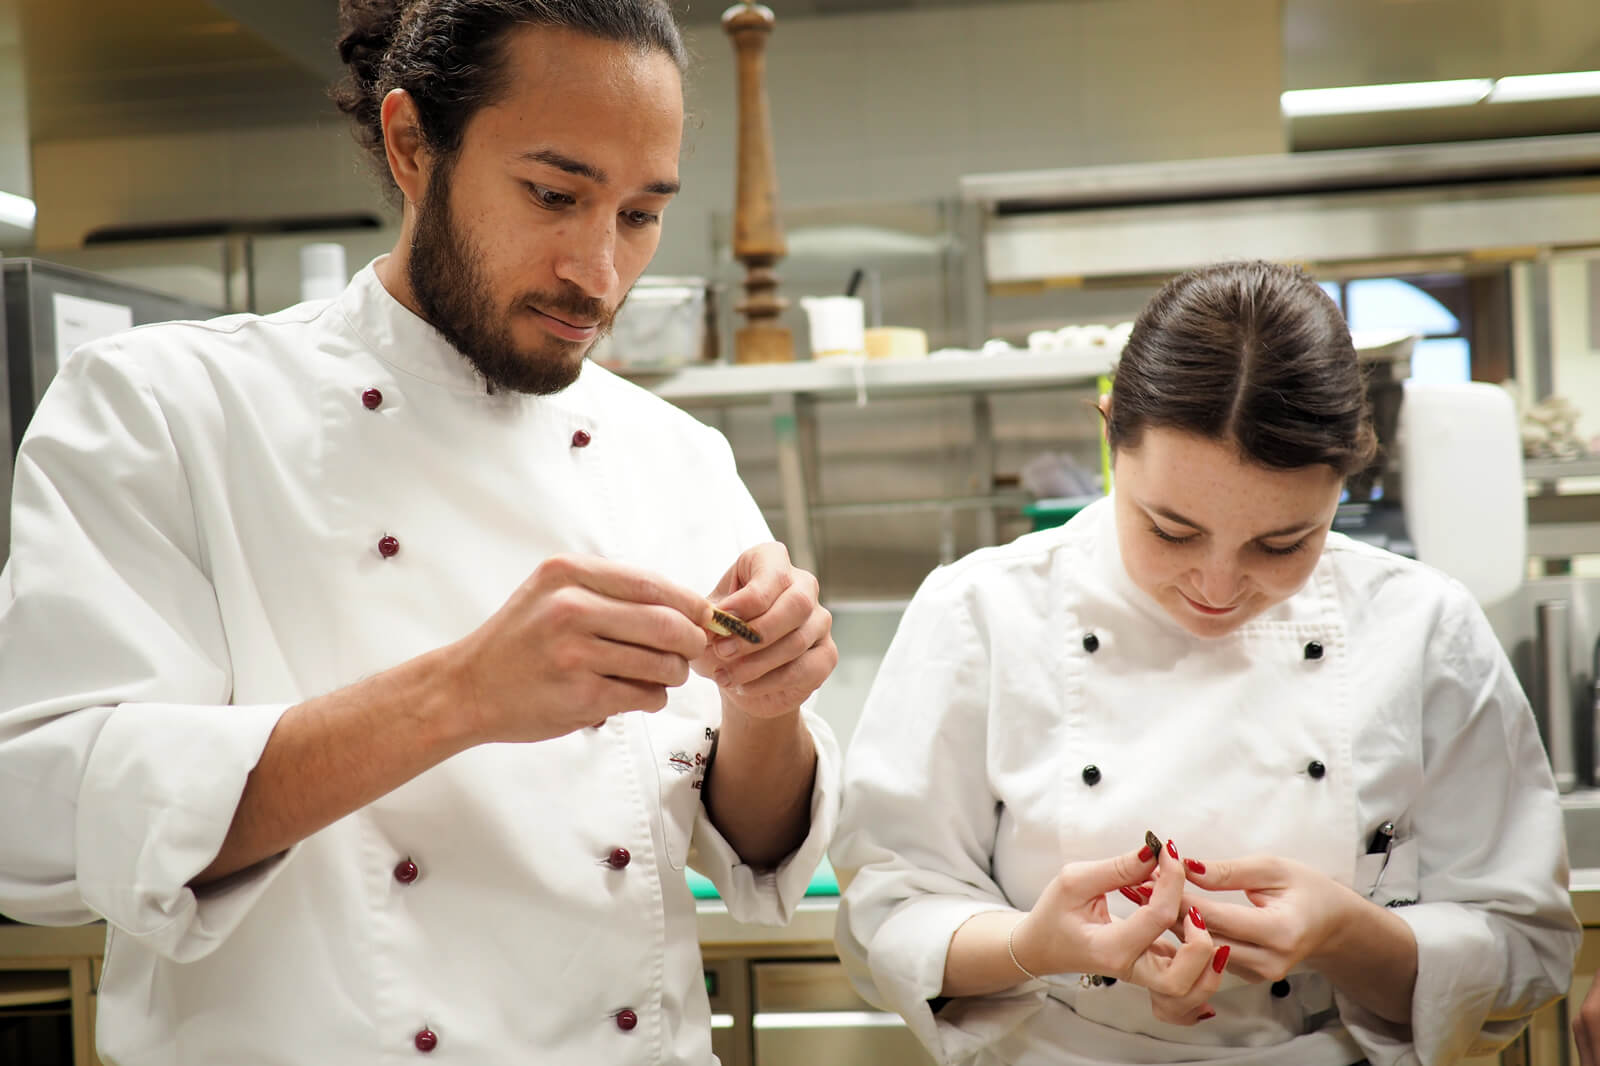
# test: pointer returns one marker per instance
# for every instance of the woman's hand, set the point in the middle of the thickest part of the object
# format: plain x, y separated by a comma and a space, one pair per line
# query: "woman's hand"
1292, 917
1198, 964
1586, 1027
1070, 930
1297, 915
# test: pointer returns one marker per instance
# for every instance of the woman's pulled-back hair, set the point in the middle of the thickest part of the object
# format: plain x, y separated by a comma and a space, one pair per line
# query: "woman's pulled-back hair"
1249, 352
449, 55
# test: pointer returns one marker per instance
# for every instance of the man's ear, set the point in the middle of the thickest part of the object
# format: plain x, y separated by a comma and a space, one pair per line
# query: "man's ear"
402, 143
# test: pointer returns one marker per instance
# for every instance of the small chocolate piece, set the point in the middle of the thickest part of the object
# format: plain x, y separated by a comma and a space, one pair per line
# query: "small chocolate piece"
726, 625
1153, 841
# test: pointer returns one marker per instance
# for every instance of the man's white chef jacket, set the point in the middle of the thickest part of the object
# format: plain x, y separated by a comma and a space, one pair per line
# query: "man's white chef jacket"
214, 521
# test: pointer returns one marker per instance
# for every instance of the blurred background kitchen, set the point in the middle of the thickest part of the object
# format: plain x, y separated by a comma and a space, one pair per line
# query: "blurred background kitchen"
997, 186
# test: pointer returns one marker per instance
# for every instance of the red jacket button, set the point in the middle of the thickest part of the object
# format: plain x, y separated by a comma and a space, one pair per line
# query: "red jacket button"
618, 858
426, 1040
387, 547
581, 439
372, 399
405, 872
626, 1019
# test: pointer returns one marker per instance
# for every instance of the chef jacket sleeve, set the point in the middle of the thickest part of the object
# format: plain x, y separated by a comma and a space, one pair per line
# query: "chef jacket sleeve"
1496, 934
917, 830
769, 897
120, 762
757, 896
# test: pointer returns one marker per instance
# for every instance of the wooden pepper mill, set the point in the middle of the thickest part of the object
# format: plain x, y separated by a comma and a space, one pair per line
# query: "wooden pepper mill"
757, 234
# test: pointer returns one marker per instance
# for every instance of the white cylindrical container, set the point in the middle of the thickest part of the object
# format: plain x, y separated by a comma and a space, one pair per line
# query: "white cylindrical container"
838, 326
322, 272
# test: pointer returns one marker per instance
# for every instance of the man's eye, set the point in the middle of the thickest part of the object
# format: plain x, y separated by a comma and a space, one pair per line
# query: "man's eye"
549, 197
640, 219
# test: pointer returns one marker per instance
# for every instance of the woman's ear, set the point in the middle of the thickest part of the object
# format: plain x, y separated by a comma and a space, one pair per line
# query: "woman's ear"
1105, 406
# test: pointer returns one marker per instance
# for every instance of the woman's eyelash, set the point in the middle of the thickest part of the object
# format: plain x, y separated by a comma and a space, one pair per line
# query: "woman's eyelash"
1168, 537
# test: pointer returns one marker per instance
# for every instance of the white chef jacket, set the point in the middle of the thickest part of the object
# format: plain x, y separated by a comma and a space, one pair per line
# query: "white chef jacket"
1037, 708
198, 516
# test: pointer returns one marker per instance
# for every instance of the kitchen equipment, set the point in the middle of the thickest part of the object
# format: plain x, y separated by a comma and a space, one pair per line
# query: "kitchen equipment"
48, 311
662, 324
1554, 629
322, 271
838, 326
1464, 497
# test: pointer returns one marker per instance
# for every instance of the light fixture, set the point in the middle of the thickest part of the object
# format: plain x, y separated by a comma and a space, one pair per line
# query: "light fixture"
1563, 86
16, 211
1402, 96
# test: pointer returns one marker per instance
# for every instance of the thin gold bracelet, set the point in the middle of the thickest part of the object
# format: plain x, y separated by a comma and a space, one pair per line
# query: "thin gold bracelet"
1012, 951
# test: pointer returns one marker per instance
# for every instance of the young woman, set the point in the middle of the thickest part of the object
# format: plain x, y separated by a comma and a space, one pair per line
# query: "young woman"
1361, 847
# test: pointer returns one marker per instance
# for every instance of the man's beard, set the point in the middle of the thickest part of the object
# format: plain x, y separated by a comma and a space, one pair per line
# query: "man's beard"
450, 285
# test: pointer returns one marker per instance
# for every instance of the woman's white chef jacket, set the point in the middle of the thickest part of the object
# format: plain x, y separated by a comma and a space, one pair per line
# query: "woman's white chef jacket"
1036, 708
214, 521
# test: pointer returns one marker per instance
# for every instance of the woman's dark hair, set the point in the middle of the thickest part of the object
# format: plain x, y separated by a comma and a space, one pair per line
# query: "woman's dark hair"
450, 56
1250, 352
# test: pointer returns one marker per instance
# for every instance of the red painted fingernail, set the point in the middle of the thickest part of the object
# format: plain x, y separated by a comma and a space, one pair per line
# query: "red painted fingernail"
1145, 854
1220, 959
1195, 866
1194, 916
1171, 850
1137, 899
1208, 1015
1145, 893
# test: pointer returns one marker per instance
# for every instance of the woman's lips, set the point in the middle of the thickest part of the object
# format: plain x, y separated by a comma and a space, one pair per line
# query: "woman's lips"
563, 329
1203, 609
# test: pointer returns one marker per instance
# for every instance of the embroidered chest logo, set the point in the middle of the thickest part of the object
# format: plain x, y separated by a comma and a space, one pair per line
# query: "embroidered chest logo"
696, 763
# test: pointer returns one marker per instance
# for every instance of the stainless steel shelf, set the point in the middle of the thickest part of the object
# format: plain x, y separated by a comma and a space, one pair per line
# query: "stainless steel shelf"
1556, 469
837, 379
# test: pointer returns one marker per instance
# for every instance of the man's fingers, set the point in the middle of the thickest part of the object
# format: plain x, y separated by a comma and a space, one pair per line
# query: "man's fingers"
619, 581
761, 575
644, 625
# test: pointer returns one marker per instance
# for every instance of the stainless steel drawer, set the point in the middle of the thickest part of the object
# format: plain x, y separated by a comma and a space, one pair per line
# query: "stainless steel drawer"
806, 1012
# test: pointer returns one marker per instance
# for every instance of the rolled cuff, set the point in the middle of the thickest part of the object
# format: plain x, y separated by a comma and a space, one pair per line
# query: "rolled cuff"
1458, 980
907, 959
159, 793
769, 897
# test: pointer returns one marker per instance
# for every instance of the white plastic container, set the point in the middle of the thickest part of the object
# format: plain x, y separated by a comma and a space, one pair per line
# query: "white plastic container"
838, 326
1465, 499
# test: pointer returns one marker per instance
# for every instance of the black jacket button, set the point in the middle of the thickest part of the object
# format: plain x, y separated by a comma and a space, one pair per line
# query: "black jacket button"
1091, 774
1316, 769
1091, 643
1313, 650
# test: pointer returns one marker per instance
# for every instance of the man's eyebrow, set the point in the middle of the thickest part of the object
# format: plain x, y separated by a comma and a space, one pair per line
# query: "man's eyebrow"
551, 158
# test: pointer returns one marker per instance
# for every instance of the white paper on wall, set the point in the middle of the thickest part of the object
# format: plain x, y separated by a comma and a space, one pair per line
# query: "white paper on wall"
79, 320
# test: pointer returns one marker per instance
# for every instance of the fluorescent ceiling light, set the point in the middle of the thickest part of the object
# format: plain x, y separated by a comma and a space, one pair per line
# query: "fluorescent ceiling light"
1546, 86
1403, 96
16, 211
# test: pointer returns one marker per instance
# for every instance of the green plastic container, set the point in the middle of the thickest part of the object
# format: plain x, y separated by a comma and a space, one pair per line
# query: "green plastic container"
1049, 513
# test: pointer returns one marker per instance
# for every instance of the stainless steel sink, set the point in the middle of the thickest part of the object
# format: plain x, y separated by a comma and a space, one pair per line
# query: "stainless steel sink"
1581, 812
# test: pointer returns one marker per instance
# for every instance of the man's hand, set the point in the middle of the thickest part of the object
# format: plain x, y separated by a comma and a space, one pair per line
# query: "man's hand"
796, 653
582, 639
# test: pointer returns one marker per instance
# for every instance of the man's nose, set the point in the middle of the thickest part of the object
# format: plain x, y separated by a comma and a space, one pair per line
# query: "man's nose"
589, 259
